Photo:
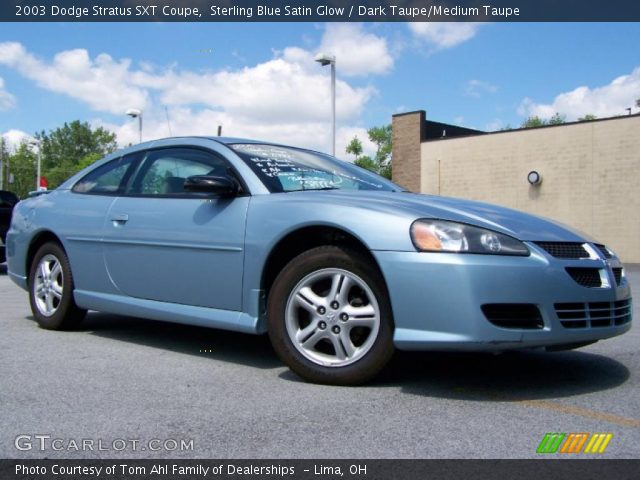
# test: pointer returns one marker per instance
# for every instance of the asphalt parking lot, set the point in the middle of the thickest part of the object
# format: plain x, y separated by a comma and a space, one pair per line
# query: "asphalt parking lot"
128, 379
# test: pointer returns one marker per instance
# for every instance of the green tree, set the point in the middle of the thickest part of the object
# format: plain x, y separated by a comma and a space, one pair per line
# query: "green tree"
557, 119
532, 122
89, 159
23, 171
355, 148
64, 152
381, 162
367, 162
67, 149
587, 117
535, 121
381, 136
4, 156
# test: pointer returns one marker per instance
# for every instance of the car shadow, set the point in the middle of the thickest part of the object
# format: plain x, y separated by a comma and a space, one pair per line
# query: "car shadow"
508, 377
3, 268
250, 350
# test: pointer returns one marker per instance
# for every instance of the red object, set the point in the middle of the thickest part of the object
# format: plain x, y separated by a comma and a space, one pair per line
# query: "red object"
44, 183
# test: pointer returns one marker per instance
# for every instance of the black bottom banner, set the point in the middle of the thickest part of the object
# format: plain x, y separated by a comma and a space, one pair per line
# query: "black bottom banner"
320, 469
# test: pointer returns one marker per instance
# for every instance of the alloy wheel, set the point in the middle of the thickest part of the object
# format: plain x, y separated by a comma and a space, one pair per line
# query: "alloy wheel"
332, 317
48, 285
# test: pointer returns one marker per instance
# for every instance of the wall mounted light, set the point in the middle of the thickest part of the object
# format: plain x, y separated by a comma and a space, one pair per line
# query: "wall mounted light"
534, 178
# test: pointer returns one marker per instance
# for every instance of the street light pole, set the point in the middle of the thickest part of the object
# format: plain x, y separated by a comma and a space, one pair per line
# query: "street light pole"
333, 106
37, 143
136, 113
1, 163
324, 60
38, 169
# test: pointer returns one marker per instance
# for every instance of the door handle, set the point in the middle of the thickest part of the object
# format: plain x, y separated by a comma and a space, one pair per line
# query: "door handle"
119, 218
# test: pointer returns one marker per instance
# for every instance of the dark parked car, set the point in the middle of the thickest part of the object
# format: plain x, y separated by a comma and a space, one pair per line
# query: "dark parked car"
8, 200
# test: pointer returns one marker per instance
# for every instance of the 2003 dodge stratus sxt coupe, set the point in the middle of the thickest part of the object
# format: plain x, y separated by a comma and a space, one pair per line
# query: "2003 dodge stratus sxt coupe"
338, 265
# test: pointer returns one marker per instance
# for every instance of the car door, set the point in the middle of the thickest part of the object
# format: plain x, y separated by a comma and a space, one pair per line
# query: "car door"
162, 243
79, 218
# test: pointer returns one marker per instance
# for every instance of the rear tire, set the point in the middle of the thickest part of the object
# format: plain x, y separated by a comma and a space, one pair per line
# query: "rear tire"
330, 318
51, 289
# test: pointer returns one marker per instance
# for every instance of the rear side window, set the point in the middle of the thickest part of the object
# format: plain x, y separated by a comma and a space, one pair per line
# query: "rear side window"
109, 179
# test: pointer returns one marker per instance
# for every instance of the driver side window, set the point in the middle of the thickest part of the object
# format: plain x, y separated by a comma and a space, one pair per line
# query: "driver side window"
164, 171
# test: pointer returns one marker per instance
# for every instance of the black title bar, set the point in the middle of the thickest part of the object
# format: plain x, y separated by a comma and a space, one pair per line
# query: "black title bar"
320, 11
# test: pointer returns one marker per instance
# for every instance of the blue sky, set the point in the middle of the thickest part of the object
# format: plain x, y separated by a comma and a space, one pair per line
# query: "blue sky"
259, 80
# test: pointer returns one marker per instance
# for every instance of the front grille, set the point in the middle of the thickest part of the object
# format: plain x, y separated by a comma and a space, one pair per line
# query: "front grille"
520, 316
603, 250
587, 277
617, 273
564, 249
594, 314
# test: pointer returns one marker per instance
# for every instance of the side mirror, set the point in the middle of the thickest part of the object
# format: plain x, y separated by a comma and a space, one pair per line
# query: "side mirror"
223, 186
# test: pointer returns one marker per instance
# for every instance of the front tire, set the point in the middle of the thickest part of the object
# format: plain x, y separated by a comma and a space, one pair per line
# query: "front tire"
51, 289
330, 318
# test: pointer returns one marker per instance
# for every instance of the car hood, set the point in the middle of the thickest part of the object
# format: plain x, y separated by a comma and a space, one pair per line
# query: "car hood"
520, 225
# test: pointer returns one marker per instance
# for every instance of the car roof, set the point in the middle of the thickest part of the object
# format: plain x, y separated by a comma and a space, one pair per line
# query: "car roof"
226, 140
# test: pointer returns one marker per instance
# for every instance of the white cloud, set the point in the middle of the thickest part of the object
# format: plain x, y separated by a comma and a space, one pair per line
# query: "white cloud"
441, 35
357, 52
102, 83
284, 98
7, 101
282, 88
475, 88
187, 121
13, 138
606, 101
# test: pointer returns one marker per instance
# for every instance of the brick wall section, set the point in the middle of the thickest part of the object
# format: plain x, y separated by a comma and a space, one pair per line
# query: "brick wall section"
590, 175
408, 132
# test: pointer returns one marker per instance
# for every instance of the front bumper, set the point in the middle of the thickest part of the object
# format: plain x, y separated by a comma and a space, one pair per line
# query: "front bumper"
437, 299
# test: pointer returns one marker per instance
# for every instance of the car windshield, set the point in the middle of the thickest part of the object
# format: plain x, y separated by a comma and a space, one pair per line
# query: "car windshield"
286, 169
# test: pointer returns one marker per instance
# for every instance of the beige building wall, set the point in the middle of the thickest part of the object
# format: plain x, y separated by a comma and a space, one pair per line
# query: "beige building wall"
590, 172
407, 134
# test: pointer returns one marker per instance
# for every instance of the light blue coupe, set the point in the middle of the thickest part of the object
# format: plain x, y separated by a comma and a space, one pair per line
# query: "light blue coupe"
338, 265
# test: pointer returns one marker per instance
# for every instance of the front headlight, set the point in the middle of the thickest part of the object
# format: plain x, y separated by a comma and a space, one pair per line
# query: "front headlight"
444, 236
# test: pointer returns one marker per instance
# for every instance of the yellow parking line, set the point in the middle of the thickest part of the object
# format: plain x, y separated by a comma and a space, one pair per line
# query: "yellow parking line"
582, 412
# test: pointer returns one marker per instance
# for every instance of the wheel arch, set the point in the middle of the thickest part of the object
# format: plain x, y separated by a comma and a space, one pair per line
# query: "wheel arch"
305, 238
42, 237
